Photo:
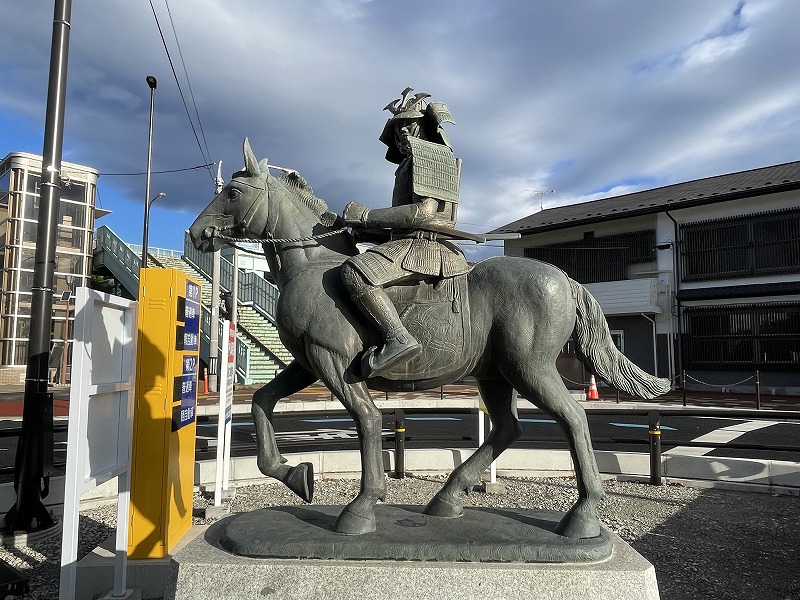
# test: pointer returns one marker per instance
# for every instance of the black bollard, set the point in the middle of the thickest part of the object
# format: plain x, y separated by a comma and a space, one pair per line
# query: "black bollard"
683, 386
758, 390
399, 443
655, 447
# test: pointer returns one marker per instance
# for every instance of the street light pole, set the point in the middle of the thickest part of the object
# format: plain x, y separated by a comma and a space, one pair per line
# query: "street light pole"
152, 83
33, 465
146, 232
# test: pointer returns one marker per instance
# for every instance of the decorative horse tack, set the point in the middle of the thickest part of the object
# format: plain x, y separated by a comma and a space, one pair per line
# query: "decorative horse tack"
521, 313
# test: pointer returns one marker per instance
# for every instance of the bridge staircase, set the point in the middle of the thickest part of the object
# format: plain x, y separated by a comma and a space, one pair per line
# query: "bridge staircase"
260, 354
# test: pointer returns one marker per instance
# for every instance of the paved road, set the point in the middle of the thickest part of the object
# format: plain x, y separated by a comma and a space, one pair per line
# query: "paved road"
299, 432
609, 432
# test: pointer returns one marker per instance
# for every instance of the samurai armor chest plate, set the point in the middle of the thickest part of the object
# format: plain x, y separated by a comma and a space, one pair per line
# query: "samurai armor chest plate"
435, 171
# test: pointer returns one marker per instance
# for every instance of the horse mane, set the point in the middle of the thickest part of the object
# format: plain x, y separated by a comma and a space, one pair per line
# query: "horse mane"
299, 186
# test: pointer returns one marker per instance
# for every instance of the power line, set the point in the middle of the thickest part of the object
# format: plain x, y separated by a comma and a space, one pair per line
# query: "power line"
180, 90
205, 166
188, 81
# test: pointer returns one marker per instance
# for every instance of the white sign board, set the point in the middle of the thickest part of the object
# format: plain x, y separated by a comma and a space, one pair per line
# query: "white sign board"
226, 379
101, 405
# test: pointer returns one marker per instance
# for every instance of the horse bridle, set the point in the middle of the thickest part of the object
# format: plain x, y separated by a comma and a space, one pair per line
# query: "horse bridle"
254, 211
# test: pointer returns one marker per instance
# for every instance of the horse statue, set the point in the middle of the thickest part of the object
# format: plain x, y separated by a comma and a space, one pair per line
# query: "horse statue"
504, 325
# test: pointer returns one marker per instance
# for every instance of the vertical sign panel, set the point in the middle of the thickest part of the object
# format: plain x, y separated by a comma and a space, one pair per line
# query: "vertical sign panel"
227, 375
165, 427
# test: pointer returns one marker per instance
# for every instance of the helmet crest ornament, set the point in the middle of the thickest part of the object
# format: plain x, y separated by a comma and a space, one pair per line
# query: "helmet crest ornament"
408, 106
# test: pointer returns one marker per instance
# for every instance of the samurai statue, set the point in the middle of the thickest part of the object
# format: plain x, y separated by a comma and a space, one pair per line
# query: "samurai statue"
414, 232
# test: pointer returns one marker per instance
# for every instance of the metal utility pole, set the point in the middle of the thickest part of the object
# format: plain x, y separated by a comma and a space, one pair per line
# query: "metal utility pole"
34, 459
213, 348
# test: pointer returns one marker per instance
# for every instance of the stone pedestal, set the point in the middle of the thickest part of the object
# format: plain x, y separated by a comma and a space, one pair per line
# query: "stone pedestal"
203, 569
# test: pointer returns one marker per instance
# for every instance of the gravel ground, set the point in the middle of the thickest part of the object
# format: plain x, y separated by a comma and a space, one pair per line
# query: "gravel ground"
704, 543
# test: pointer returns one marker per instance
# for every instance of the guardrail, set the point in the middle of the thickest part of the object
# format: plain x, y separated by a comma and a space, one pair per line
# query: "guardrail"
156, 251
106, 237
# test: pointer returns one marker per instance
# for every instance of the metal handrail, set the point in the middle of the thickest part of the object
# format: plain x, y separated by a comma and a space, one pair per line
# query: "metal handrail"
252, 286
106, 238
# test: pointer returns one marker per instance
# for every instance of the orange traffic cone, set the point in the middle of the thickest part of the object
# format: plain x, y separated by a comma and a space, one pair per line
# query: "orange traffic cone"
593, 395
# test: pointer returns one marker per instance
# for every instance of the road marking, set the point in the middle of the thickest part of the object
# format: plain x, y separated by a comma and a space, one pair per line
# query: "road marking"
641, 426
321, 434
537, 421
720, 437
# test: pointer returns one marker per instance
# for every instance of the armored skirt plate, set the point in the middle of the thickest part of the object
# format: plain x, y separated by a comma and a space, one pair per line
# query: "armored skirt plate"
405, 533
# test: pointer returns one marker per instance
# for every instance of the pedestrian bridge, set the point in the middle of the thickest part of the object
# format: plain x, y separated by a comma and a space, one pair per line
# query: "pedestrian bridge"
259, 352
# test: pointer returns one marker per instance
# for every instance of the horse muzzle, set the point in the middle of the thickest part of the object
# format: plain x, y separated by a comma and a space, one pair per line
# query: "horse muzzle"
205, 238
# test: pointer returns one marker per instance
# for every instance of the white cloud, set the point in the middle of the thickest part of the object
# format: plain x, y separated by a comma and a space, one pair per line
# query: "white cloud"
544, 94
714, 49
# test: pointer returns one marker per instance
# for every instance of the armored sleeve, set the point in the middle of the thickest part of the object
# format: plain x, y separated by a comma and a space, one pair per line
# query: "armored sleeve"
409, 216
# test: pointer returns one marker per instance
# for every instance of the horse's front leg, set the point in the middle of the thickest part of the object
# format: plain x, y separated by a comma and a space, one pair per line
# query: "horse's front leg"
299, 479
359, 515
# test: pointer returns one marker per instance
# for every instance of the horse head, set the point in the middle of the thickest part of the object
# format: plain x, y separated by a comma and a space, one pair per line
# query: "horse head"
240, 209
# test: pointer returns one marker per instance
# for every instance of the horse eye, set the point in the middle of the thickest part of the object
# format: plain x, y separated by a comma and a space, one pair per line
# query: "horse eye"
233, 193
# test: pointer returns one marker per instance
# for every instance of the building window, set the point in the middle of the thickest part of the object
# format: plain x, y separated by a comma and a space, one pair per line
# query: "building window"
595, 259
753, 245
743, 337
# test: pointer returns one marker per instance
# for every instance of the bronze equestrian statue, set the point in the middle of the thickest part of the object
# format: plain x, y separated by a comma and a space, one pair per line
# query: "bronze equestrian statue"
503, 322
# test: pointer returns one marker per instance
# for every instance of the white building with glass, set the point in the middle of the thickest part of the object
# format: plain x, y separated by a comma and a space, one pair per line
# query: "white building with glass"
20, 181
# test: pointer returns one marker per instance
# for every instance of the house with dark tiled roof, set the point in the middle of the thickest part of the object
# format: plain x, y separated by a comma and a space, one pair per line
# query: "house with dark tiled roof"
701, 277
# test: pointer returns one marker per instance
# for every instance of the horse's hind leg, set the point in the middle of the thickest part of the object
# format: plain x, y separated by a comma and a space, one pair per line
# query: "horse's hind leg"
299, 479
501, 401
547, 391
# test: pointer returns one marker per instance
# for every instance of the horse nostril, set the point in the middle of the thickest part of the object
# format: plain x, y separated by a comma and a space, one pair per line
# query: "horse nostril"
208, 232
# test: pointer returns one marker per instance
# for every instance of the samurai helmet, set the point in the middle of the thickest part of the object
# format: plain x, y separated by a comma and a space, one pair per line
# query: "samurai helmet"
408, 106
414, 106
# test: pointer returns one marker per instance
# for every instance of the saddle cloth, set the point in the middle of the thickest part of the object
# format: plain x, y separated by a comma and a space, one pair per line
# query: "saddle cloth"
437, 315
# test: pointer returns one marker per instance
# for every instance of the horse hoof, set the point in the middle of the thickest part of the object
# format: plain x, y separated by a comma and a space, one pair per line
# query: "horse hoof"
443, 508
576, 525
300, 480
350, 523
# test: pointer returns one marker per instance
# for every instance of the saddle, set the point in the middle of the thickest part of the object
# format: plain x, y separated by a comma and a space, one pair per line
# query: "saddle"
437, 315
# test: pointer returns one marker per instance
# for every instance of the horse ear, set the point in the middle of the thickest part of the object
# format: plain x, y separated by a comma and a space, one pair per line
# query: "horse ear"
250, 160
263, 165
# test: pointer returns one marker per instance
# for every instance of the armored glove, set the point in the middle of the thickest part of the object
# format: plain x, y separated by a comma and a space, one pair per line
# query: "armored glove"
410, 216
355, 214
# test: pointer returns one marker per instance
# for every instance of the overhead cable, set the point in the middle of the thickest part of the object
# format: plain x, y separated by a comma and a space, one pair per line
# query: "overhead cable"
205, 166
180, 90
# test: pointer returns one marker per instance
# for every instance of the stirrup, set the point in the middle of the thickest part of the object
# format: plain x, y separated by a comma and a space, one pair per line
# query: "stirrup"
392, 353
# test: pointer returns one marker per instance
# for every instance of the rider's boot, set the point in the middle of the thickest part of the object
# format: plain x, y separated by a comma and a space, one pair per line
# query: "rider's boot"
399, 345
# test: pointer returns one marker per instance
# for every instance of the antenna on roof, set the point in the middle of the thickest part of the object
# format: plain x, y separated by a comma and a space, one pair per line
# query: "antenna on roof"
541, 196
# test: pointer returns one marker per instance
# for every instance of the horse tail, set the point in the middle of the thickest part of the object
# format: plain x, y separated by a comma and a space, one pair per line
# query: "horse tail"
597, 351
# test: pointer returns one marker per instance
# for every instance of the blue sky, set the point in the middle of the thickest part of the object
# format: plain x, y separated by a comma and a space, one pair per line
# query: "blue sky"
589, 99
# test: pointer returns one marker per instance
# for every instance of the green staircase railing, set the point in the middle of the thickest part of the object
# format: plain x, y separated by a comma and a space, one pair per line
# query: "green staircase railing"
124, 264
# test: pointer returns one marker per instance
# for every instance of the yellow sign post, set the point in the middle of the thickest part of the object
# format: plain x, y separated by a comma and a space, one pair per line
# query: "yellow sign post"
164, 428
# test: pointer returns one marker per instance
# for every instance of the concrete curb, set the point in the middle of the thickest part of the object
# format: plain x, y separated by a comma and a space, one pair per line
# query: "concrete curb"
703, 471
